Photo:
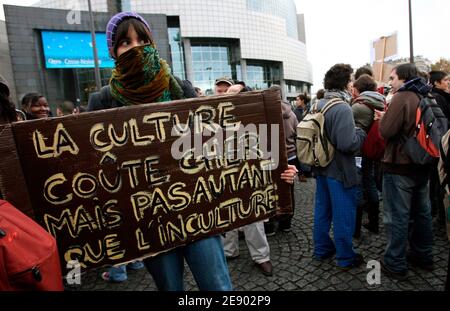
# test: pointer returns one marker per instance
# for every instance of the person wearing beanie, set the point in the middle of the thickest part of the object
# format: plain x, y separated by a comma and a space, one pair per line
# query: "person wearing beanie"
141, 76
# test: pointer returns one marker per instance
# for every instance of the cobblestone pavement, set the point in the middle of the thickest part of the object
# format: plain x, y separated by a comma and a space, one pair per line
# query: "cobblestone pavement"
294, 268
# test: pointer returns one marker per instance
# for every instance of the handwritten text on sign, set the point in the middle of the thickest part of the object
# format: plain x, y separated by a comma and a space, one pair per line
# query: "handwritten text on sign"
125, 183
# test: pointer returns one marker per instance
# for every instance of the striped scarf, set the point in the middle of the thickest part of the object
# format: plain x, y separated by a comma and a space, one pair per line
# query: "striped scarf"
141, 76
341, 94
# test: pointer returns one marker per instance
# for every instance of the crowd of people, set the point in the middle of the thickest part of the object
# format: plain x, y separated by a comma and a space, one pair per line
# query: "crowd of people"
350, 184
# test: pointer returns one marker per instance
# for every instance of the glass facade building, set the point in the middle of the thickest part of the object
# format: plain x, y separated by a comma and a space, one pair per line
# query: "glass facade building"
256, 41
176, 52
210, 61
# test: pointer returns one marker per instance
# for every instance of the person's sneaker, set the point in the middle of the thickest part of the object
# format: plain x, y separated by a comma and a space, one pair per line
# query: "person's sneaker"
401, 275
358, 260
106, 277
136, 265
416, 262
265, 267
284, 226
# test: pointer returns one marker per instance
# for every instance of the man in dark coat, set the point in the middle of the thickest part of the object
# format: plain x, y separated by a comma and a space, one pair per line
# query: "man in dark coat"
439, 80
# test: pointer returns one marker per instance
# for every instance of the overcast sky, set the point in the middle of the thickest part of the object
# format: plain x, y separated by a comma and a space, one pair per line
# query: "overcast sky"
341, 31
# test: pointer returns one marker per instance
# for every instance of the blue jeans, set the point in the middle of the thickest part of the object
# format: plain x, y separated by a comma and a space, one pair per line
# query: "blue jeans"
336, 204
206, 260
407, 216
119, 273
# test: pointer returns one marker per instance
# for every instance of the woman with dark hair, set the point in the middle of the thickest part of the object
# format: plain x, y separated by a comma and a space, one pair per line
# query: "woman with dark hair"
141, 76
7, 110
25, 103
35, 106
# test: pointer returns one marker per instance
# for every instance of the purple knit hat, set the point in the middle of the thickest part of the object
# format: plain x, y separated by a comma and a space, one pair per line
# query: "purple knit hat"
114, 22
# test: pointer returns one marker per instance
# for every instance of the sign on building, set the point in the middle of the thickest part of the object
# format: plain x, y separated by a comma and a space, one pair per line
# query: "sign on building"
73, 49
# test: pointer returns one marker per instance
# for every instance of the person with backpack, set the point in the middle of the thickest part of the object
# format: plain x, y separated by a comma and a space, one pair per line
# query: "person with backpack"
336, 182
366, 101
407, 212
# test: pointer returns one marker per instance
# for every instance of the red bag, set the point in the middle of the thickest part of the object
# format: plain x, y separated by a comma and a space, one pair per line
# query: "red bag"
29, 257
373, 147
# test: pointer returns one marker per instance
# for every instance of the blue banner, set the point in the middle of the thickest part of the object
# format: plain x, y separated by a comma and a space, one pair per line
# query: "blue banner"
74, 50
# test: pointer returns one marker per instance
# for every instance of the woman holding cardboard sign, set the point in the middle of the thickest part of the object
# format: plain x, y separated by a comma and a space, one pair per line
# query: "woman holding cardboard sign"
141, 76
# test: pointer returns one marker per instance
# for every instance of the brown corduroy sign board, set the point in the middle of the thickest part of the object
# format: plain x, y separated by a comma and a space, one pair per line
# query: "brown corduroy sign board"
126, 183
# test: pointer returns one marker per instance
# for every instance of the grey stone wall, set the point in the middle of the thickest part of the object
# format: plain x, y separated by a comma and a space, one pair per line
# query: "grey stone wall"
23, 25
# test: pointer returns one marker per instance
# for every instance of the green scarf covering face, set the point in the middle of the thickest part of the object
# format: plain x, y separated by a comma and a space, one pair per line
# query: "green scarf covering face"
141, 76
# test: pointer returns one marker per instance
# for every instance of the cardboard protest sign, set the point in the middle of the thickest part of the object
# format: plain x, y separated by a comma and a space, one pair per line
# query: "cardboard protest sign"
385, 47
131, 182
382, 71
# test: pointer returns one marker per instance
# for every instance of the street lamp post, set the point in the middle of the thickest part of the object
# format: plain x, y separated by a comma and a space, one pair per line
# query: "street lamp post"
210, 81
411, 51
98, 81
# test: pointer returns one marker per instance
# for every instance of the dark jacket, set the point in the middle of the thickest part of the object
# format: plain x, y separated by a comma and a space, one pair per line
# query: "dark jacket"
443, 100
102, 100
299, 113
399, 122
